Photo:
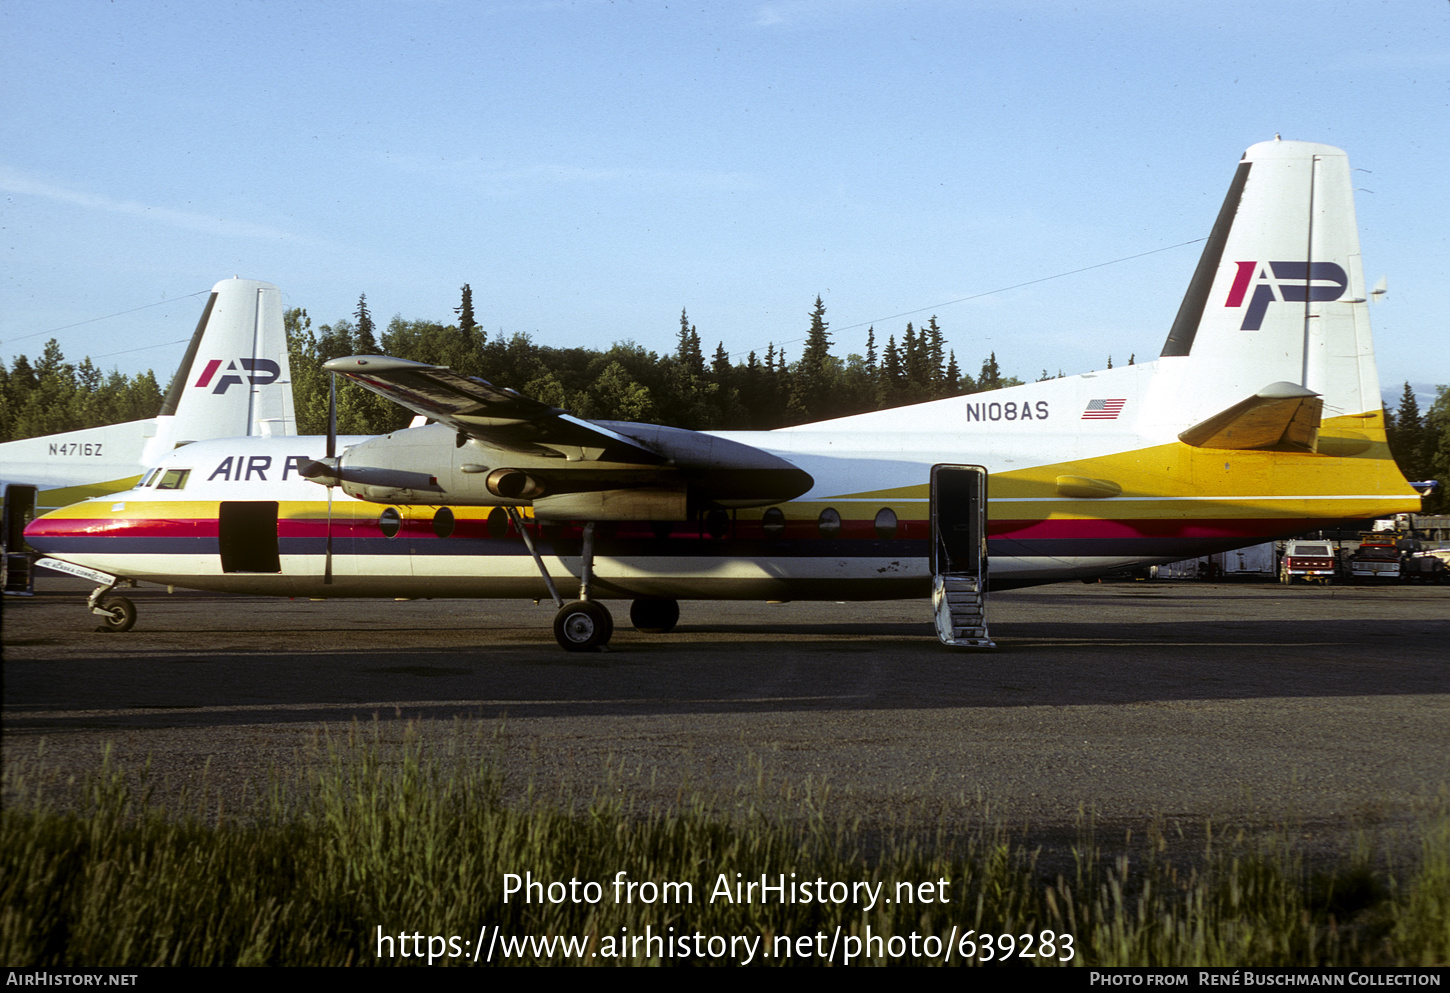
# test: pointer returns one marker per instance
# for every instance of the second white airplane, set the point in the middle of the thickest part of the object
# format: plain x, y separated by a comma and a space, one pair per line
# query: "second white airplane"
234, 379
1261, 418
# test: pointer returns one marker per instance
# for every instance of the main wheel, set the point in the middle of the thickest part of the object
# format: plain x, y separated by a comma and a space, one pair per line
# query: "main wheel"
582, 626
654, 616
122, 615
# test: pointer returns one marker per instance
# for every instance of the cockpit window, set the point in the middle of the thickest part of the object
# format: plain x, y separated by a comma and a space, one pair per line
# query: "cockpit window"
148, 479
174, 479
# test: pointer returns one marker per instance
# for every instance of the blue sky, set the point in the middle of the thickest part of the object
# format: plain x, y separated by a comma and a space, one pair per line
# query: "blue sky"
590, 168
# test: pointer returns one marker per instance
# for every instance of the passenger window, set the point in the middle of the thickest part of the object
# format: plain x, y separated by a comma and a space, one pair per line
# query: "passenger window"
772, 522
829, 523
390, 522
886, 523
443, 522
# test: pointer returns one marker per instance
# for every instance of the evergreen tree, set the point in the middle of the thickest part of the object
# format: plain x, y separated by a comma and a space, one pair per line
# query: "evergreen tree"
688, 350
1436, 447
810, 399
365, 339
1407, 438
914, 359
991, 377
464, 310
934, 345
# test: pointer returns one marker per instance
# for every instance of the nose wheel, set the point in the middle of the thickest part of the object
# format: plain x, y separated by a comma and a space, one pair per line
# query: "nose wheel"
117, 614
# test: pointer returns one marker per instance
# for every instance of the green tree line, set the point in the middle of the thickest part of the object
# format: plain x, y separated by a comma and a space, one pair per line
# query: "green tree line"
53, 395
1421, 444
630, 383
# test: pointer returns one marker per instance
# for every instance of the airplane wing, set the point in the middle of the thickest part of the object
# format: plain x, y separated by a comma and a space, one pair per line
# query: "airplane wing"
499, 417
563, 465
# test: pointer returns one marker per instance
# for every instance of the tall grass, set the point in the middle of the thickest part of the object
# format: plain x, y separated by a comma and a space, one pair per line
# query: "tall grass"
373, 837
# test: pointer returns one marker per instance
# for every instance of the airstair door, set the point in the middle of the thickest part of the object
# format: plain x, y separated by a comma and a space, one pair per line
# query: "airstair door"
19, 511
959, 554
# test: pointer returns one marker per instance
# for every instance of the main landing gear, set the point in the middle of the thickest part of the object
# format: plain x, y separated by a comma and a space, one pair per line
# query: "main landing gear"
583, 626
654, 616
586, 625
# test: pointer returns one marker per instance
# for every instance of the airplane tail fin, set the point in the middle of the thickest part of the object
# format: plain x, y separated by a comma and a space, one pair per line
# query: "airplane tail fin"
1278, 298
235, 379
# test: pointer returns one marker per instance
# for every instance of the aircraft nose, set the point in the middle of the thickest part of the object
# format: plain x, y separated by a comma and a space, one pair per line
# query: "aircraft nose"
39, 533
77, 528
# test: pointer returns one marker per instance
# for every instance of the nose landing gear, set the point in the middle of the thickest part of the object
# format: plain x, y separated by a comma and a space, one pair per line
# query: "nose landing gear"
117, 614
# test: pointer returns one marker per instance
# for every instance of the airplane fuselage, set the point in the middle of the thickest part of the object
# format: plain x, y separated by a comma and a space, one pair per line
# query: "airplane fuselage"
1074, 492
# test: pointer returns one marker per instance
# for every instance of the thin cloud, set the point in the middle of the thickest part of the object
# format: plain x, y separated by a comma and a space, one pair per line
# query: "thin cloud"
768, 15
500, 181
13, 181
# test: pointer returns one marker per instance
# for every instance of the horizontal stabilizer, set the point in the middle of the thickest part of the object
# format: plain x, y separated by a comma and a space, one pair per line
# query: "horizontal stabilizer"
1280, 417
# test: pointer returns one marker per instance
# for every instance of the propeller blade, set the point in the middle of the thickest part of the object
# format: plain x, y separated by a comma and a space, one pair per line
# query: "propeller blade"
332, 465
332, 415
327, 566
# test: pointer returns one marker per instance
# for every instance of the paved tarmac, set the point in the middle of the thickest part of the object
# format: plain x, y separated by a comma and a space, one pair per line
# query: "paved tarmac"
1323, 708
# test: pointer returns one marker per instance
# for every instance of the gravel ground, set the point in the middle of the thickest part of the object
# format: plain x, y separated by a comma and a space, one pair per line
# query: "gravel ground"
1322, 711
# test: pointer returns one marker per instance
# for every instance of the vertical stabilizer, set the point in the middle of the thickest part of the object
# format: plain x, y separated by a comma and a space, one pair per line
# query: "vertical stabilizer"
235, 379
1278, 296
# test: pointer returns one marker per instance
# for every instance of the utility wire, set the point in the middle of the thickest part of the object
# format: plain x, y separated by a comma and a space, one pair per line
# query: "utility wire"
1003, 289
159, 303
143, 348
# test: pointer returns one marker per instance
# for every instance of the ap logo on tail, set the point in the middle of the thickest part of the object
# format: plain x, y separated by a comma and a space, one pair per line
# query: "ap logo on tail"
234, 381
1284, 282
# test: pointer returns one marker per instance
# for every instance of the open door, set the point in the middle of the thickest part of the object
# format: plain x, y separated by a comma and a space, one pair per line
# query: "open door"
18, 579
248, 533
959, 554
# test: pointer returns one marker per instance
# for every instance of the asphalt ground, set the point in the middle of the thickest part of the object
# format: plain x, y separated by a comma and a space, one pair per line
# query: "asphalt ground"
1326, 710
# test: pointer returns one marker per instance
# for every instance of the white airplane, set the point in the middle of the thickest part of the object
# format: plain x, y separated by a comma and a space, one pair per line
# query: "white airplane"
235, 379
1262, 418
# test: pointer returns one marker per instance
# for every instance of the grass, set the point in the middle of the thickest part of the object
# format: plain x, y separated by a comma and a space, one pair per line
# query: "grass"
373, 838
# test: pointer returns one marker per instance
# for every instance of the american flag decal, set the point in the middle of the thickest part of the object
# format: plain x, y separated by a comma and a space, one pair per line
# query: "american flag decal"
1103, 410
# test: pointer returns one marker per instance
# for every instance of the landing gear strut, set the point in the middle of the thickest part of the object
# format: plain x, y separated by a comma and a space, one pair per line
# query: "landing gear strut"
117, 614
585, 624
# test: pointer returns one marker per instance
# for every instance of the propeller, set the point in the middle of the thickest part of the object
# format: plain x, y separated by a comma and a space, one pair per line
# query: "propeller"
331, 459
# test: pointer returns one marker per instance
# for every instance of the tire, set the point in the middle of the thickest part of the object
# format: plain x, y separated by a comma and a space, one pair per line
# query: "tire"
654, 616
583, 626
122, 617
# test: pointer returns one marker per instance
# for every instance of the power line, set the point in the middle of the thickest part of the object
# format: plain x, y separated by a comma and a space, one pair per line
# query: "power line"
159, 303
1004, 289
143, 348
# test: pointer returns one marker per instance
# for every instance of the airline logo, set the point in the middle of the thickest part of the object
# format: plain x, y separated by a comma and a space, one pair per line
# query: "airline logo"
261, 372
1283, 282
